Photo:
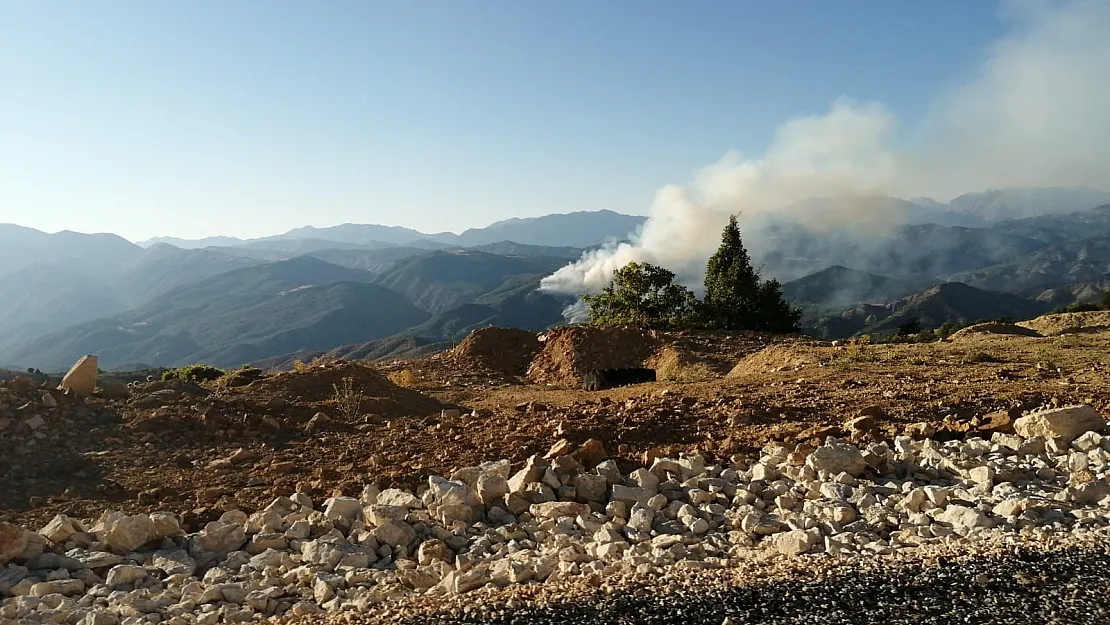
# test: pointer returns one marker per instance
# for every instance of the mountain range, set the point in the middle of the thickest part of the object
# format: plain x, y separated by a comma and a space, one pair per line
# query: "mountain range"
863, 265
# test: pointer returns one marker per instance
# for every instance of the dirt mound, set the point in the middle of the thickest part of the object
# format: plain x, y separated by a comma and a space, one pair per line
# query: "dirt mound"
567, 353
503, 350
1070, 323
355, 385
789, 356
993, 327
676, 366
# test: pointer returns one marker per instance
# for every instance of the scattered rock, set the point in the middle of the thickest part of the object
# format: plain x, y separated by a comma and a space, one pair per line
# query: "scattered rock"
81, 378
837, 456
1067, 423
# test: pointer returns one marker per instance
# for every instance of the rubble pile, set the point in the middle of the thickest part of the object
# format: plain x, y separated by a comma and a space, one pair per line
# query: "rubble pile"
554, 519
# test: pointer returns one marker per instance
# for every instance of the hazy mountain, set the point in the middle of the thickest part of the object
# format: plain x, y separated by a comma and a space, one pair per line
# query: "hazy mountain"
357, 234
1086, 291
1018, 203
1061, 229
512, 248
374, 261
82, 254
837, 288
581, 229
919, 252
41, 297
1051, 265
869, 213
163, 267
951, 302
235, 317
192, 244
515, 304
440, 281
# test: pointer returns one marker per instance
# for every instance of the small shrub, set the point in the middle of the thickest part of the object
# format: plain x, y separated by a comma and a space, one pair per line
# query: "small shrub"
978, 356
195, 373
404, 378
1082, 307
347, 398
243, 376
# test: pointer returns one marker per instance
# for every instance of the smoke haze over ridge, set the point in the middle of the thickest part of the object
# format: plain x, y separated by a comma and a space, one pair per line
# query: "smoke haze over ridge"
1035, 113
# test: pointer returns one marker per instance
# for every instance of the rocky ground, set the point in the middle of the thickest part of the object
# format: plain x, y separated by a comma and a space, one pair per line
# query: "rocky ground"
842, 474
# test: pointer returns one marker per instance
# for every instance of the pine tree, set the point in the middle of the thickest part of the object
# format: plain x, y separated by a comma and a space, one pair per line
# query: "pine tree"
735, 299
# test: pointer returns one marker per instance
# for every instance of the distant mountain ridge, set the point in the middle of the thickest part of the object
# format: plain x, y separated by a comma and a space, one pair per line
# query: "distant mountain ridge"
577, 229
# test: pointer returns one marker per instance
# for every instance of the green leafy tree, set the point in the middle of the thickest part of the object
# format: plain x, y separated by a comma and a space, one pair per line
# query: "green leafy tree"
912, 326
736, 299
642, 294
1105, 301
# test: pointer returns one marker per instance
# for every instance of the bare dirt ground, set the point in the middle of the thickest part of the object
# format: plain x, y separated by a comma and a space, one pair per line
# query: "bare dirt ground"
241, 441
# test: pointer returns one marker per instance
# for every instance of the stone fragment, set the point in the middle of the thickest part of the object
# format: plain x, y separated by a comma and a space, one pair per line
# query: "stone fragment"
533, 471
166, 525
121, 533
1087, 441
433, 550
590, 453
344, 509
557, 509
920, 430
174, 562
318, 422
795, 542
448, 493
94, 559
124, 575
395, 534
837, 456
380, 514
491, 488
560, 448
1068, 422
65, 587
218, 537
588, 487
81, 378
398, 497
964, 518
60, 529
242, 456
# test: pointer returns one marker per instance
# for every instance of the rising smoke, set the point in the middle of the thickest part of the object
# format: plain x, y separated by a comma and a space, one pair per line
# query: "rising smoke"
1036, 113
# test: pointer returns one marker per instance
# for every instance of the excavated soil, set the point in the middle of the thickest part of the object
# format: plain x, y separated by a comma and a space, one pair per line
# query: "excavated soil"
507, 351
792, 355
211, 447
993, 327
1069, 323
568, 353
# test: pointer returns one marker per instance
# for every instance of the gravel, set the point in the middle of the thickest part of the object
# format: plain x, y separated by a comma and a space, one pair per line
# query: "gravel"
1026, 586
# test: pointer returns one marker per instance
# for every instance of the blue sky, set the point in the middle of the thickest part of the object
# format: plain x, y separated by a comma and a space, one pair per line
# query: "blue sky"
250, 118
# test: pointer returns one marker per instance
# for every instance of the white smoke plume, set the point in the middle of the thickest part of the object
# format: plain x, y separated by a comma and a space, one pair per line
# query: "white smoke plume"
1036, 113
